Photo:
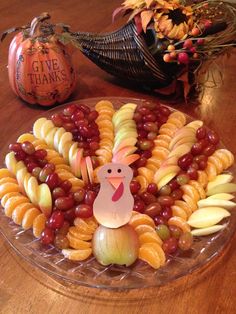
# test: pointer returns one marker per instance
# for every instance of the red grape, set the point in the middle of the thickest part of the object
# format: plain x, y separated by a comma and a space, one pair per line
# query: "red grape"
69, 215
137, 117
150, 127
201, 133
52, 180
152, 188
148, 198
36, 171
78, 115
177, 194
192, 172
15, 147
173, 184
209, 150
185, 161
40, 154
134, 186
31, 166
149, 117
89, 197
28, 147
159, 220
153, 209
197, 148
165, 200
64, 203
61, 242
66, 185
57, 120
175, 231
56, 220
47, 236
69, 110
213, 137
165, 190
166, 213
92, 115
185, 241
170, 245
139, 206
79, 195
84, 211
58, 192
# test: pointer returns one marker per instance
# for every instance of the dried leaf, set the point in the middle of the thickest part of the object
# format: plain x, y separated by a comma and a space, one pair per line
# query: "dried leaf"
9, 31
184, 79
138, 24
148, 3
119, 12
134, 13
146, 17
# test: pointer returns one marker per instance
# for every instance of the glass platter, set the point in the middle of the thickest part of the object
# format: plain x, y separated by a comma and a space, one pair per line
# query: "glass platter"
90, 273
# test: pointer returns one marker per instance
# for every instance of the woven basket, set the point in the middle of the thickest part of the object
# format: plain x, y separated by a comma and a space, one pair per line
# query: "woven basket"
125, 54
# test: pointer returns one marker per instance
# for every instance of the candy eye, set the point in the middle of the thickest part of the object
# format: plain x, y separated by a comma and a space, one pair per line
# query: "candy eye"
109, 170
119, 170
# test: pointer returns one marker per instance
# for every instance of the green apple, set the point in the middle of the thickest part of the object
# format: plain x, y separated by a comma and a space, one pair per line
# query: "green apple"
115, 246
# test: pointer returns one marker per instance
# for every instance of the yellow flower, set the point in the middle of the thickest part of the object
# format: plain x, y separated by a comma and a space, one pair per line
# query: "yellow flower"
173, 22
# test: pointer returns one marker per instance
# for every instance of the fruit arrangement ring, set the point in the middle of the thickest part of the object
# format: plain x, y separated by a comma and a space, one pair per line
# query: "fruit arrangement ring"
117, 193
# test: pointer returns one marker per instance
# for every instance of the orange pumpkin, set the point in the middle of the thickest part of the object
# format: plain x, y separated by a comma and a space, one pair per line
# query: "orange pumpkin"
39, 66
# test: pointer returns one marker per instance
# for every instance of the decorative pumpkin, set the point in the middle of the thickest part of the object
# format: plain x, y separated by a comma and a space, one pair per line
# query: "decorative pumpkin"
39, 66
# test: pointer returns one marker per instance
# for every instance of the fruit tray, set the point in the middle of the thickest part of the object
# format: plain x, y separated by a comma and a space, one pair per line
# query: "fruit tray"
89, 272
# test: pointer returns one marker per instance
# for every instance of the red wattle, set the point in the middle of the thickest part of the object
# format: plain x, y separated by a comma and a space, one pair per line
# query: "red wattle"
118, 193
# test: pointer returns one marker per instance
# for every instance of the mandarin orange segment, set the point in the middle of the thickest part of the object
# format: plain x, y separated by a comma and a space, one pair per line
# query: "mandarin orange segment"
141, 219
4, 172
39, 225
29, 217
12, 203
179, 222
148, 237
150, 256
19, 212
144, 228
9, 187
76, 243
7, 179
7, 196
77, 255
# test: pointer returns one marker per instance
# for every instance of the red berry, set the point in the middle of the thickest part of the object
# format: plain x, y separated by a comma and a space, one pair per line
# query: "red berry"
183, 58
188, 44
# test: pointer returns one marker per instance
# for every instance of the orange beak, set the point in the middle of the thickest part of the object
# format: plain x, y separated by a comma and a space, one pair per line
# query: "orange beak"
115, 181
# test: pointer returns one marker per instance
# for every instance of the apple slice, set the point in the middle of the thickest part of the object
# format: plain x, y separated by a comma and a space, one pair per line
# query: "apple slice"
206, 231
11, 162
125, 142
32, 190
196, 124
121, 116
77, 163
164, 171
182, 133
180, 150
166, 179
128, 160
222, 188
57, 137
44, 199
209, 202
20, 178
84, 172
188, 140
46, 127
222, 196
207, 217
26, 137
50, 137
38, 126
89, 166
220, 179
125, 151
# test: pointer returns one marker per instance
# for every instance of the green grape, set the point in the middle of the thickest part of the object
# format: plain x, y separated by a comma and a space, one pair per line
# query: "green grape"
185, 241
163, 232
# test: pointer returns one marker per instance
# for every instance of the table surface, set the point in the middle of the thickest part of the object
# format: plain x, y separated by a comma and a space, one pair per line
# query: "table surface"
23, 288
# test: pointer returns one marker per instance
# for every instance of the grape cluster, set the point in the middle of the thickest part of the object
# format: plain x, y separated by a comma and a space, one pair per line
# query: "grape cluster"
66, 204
80, 121
148, 118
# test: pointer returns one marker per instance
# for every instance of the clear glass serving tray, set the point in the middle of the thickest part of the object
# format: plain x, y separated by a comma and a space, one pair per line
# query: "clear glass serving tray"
90, 272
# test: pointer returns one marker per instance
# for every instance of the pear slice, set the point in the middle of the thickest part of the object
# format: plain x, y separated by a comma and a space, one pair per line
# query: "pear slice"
220, 179
208, 202
207, 217
37, 127
222, 188
206, 231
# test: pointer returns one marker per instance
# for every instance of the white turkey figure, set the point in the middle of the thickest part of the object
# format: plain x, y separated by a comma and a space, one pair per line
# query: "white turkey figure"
114, 203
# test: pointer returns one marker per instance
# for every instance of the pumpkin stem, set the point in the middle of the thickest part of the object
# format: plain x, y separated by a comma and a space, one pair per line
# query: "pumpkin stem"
35, 24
